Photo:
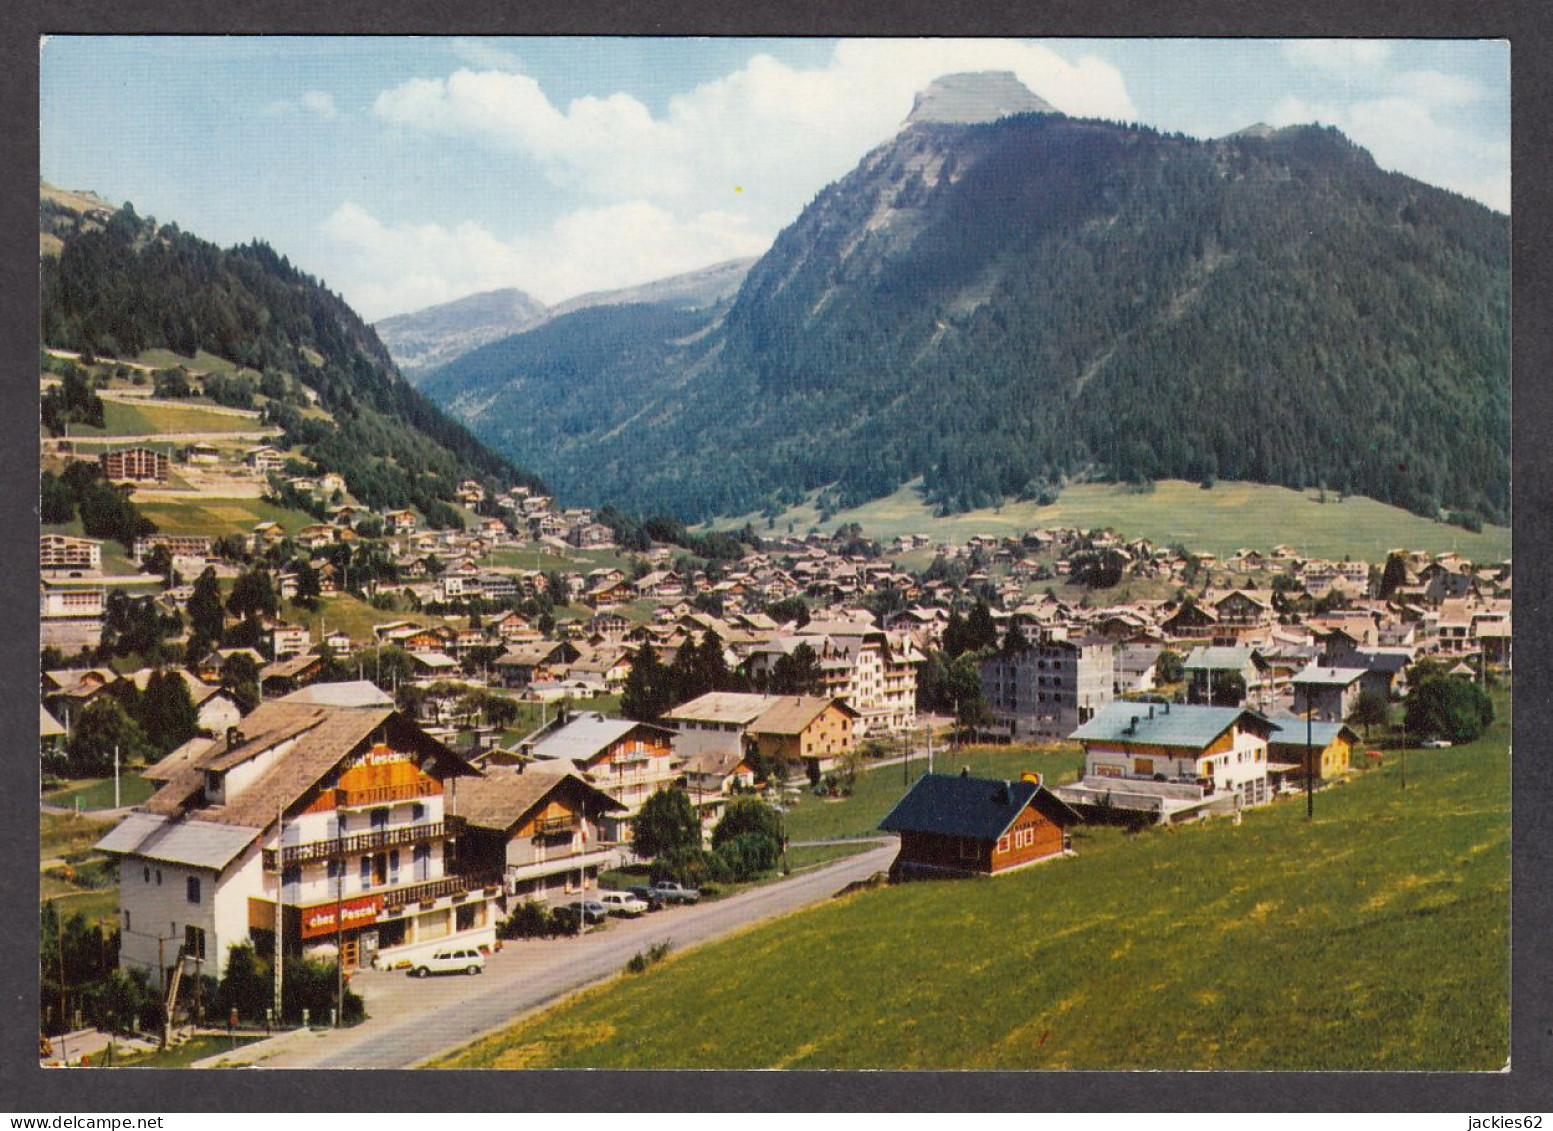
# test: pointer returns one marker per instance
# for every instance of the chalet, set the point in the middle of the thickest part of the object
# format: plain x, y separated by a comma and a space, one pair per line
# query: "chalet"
1190, 620
1162, 762
536, 662
814, 731
1331, 744
1133, 668
202, 452
288, 674
964, 826
400, 522
264, 460
321, 828
1329, 693
543, 833
68, 691
629, 760
1240, 609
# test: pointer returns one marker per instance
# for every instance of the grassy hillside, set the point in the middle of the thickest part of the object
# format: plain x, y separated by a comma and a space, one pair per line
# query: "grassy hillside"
154, 417
218, 516
1374, 937
1217, 521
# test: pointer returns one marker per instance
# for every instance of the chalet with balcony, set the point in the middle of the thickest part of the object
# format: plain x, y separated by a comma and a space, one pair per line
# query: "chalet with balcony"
963, 826
323, 825
1161, 762
814, 731
544, 833
629, 760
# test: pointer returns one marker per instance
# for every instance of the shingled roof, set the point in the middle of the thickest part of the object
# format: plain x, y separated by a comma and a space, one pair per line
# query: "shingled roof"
981, 808
503, 798
322, 737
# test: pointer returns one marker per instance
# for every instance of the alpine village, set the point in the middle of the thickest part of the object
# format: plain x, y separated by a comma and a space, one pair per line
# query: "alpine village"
960, 601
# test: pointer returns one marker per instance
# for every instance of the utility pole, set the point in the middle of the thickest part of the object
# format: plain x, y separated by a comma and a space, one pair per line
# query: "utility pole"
339, 937
115, 775
1310, 765
280, 915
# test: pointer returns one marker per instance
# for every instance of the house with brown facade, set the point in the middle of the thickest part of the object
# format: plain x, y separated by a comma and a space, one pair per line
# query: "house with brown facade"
963, 826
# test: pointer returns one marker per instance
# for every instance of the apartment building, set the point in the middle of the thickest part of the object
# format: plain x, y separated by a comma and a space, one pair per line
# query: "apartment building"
1053, 686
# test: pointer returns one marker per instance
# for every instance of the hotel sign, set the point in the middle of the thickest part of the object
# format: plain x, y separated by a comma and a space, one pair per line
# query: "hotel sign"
355, 913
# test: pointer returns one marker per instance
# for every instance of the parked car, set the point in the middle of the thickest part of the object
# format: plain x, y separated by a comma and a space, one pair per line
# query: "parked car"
463, 960
1438, 744
670, 892
591, 911
650, 896
622, 903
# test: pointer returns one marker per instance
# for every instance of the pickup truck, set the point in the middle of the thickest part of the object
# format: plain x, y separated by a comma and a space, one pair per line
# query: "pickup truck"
670, 892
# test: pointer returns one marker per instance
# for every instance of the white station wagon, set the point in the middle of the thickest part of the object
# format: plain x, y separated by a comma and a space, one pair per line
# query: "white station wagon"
460, 961
622, 903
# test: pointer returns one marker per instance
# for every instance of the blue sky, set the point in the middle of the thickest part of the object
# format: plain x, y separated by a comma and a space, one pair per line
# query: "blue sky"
412, 171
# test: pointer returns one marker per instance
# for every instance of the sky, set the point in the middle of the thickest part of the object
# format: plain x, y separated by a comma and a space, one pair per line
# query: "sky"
410, 171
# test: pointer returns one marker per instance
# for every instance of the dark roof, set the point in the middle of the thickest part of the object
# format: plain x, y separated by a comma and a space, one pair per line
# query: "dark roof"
982, 808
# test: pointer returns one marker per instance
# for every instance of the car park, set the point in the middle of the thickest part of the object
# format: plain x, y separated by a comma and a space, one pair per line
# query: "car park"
622, 903
455, 960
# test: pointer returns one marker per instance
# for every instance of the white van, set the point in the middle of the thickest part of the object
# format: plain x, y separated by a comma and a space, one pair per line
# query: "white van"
461, 961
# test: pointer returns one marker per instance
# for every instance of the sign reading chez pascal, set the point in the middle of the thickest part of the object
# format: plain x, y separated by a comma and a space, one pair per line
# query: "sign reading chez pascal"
353, 913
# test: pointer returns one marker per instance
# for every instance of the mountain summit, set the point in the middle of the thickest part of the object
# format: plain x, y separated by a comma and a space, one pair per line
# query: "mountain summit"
975, 96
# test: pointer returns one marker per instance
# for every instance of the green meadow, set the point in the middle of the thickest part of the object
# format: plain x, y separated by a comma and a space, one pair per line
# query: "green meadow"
1374, 937
1217, 521
216, 516
120, 418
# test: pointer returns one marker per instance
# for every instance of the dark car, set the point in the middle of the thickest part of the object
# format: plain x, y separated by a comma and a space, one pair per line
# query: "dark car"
591, 911
650, 896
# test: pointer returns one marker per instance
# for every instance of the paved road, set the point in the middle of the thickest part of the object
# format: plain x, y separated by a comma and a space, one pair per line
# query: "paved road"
413, 1020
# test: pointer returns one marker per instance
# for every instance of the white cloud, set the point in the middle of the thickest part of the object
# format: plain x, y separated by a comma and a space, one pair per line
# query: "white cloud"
316, 102
760, 141
320, 102
394, 268
1338, 55
488, 56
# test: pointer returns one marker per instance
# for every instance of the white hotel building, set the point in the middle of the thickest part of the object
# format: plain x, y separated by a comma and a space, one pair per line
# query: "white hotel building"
333, 814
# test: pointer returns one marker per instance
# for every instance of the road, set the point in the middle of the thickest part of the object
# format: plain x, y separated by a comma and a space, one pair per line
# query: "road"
413, 1020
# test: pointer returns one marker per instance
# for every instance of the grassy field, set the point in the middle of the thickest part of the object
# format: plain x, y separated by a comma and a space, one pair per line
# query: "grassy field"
347, 614
97, 793
123, 419
219, 516
1374, 937
201, 362
529, 557
1219, 521
877, 790
69, 837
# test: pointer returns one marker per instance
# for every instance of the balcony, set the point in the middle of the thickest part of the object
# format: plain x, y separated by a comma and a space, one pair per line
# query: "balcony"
361, 842
396, 898
553, 826
385, 794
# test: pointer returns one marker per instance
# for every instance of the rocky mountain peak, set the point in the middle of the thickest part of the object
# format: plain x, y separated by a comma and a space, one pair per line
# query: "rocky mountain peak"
975, 96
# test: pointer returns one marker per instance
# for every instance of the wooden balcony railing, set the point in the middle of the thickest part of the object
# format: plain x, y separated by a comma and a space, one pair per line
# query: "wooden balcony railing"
551, 826
395, 898
362, 842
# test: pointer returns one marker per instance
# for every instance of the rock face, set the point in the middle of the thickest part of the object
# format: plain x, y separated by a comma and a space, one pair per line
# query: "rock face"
977, 96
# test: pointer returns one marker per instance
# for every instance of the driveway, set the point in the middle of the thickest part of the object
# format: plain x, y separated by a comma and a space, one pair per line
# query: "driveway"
412, 1020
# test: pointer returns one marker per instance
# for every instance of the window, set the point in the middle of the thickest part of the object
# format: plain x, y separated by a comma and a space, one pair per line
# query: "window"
192, 889
366, 872
159, 877
146, 872
127, 927
417, 812
1002, 844
194, 942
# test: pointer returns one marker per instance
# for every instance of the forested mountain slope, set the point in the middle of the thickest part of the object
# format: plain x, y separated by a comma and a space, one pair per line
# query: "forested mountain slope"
997, 307
127, 284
